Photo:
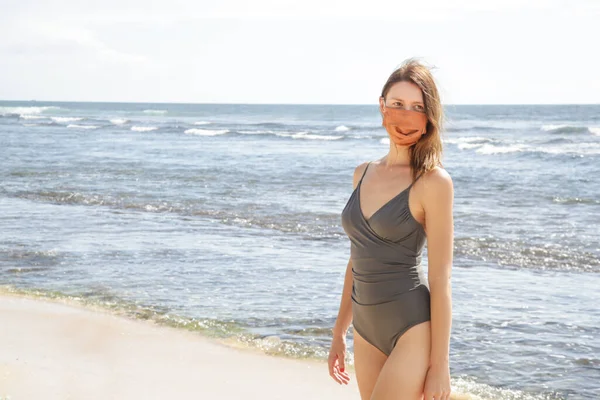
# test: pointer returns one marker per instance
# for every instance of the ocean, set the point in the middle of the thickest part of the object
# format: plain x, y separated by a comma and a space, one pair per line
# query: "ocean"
225, 219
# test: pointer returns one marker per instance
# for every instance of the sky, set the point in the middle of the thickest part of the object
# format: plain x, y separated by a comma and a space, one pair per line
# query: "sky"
297, 52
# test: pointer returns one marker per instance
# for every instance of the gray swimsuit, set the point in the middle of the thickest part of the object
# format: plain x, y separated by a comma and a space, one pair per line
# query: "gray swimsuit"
389, 291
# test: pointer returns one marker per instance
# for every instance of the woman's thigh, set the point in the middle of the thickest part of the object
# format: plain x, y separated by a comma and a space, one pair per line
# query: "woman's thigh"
403, 374
368, 361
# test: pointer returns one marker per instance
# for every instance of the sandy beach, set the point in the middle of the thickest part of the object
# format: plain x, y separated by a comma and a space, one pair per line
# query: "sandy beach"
52, 350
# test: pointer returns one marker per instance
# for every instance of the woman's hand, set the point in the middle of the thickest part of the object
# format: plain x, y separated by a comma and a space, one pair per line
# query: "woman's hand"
437, 382
337, 360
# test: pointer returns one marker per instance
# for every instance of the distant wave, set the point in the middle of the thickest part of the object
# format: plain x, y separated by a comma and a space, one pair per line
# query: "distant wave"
66, 119
144, 128
155, 112
480, 128
202, 123
468, 139
31, 117
308, 136
270, 124
342, 128
499, 149
83, 126
257, 132
569, 129
119, 121
206, 132
17, 112
575, 200
556, 146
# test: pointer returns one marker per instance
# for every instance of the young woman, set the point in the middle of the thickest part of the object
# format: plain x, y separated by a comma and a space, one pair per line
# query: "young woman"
401, 321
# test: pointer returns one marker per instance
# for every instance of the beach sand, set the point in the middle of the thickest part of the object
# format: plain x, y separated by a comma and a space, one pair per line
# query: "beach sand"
52, 350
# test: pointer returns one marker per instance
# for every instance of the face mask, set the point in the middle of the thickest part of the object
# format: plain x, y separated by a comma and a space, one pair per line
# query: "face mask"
405, 127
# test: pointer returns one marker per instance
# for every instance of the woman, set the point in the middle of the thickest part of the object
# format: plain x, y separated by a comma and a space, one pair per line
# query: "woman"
401, 323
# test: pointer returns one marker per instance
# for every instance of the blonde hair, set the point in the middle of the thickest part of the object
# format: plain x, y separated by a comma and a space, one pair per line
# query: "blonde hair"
426, 154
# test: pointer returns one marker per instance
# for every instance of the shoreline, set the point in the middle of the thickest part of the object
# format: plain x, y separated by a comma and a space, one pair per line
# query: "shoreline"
56, 350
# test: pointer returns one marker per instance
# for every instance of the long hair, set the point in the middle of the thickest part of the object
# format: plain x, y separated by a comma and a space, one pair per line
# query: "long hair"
426, 154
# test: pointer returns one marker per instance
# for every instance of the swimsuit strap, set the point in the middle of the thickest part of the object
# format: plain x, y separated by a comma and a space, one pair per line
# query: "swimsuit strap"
423, 173
364, 172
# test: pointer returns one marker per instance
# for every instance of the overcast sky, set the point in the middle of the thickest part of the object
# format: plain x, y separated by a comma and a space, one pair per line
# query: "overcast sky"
308, 51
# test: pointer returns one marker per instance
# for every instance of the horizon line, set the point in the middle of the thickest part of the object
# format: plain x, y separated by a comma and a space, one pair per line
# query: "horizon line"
291, 104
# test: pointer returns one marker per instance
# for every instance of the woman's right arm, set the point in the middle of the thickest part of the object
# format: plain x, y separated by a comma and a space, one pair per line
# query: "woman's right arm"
344, 318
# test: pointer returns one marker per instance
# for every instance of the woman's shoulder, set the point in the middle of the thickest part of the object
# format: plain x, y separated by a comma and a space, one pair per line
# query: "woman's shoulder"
359, 170
437, 182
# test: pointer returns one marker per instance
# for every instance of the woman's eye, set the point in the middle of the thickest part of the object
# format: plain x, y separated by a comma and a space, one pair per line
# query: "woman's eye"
419, 108
397, 104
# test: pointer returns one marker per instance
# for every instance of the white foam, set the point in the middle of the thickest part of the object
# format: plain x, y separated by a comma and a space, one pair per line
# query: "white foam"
144, 128
342, 128
66, 119
206, 132
464, 146
466, 139
26, 110
119, 121
82, 126
553, 127
31, 117
306, 135
155, 112
258, 132
202, 123
492, 149
595, 130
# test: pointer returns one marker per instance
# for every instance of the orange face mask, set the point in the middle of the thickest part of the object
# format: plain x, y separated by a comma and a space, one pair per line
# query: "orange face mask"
404, 127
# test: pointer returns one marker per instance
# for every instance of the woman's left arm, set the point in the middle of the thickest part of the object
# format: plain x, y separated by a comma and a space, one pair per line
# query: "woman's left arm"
439, 223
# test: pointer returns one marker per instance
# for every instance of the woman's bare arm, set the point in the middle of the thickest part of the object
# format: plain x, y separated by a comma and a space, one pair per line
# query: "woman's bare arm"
344, 318
438, 205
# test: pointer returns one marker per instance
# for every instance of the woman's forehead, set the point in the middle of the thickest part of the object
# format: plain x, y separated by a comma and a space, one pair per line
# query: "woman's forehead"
406, 91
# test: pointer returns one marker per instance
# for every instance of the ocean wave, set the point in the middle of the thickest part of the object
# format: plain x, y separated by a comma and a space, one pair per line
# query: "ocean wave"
66, 119
508, 253
202, 123
155, 112
565, 149
119, 121
575, 200
468, 139
83, 126
567, 129
307, 136
559, 146
144, 128
269, 124
257, 132
42, 123
28, 117
495, 149
342, 128
476, 128
19, 111
30, 258
206, 132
